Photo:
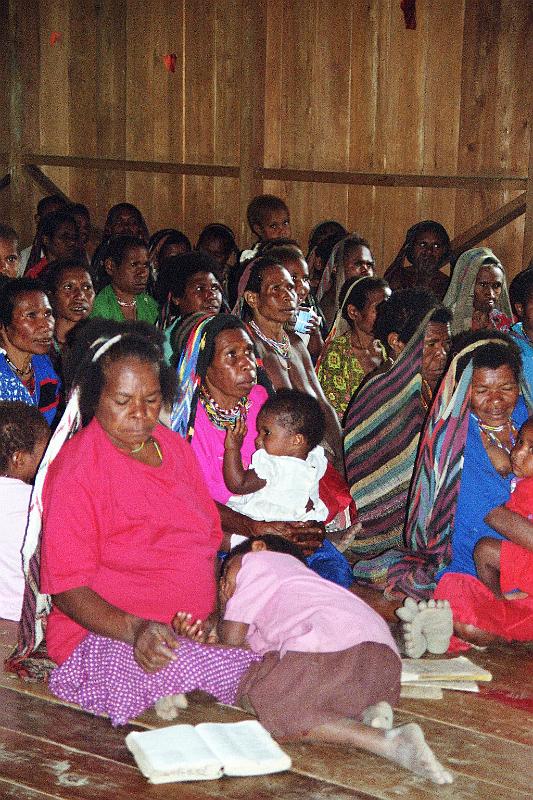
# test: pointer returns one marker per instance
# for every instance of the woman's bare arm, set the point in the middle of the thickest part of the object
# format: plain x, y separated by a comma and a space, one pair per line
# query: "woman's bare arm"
153, 642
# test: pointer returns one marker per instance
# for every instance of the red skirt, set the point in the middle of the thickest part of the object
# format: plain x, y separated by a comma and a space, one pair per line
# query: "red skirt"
473, 603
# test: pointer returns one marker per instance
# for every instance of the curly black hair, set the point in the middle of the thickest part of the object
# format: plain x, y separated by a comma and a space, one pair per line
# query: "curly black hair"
21, 427
138, 340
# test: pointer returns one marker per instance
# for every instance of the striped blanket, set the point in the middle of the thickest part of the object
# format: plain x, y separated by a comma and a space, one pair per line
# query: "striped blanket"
382, 427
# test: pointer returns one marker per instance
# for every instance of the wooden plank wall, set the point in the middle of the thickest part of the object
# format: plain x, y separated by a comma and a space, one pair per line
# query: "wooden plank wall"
316, 86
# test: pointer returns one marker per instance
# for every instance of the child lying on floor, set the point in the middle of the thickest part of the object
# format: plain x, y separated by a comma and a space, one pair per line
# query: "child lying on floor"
312, 660
330, 670
504, 566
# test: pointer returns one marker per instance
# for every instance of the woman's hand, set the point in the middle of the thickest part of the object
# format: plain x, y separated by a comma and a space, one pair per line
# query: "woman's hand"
307, 535
153, 645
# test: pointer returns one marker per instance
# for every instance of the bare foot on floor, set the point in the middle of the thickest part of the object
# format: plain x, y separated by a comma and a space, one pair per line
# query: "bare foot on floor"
379, 715
407, 747
170, 706
426, 625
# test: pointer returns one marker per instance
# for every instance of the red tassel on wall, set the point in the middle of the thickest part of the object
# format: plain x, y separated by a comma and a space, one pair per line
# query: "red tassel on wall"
409, 13
55, 38
170, 62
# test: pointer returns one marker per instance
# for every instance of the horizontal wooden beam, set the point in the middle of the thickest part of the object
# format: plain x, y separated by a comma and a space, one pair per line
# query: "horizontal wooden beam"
489, 225
5, 181
381, 179
85, 162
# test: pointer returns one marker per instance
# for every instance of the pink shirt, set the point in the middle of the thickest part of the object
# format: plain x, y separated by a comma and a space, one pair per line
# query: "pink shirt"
289, 607
208, 445
144, 538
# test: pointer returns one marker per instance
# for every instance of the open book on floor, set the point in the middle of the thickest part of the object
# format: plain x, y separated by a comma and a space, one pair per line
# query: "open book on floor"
206, 751
442, 669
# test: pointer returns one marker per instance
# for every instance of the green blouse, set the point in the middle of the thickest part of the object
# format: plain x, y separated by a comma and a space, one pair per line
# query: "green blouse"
106, 306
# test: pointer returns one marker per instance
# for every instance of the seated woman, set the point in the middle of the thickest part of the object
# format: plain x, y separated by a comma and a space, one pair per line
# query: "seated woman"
270, 302
70, 289
125, 274
446, 523
351, 257
58, 236
426, 249
26, 334
191, 286
24, 435
384, 420
217, 375
309, 325
125, 219
351, 349
478, 293
115, 556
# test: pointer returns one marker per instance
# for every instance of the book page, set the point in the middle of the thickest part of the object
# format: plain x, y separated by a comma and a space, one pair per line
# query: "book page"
442, 669
244, 748
174, 753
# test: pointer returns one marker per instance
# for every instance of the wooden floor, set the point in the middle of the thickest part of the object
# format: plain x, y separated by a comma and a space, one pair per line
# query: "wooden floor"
51, 750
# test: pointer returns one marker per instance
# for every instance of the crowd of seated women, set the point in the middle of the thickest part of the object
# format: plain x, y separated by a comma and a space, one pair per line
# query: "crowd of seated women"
135, 345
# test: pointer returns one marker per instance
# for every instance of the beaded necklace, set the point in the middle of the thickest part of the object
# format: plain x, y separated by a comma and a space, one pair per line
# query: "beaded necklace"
282, 349
223, 418
490, 432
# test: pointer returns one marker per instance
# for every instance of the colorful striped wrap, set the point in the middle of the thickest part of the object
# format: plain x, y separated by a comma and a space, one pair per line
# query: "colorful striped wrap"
383, 425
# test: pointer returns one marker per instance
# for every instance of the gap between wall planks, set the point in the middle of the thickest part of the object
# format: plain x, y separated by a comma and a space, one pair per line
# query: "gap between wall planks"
311, 90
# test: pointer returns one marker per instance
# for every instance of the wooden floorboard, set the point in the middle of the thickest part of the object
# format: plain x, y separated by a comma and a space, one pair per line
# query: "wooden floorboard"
49, 749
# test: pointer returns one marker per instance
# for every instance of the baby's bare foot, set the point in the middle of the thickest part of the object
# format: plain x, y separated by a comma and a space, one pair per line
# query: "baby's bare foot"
426, 626
407, 747
379, 715
170, 706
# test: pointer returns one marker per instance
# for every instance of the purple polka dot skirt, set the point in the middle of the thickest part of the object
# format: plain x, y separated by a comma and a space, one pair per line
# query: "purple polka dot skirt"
102, 676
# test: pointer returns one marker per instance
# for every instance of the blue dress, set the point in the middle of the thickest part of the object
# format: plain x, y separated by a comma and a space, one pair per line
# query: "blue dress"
482, 489
47, 386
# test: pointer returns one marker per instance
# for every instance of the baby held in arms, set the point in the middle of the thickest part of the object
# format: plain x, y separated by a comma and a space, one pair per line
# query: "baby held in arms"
506, 566
282, 482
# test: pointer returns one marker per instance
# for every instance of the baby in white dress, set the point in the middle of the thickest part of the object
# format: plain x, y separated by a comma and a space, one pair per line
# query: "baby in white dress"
283, 478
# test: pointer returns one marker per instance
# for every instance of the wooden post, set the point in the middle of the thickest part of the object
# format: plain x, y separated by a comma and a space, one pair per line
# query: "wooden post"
23, 44
252, 104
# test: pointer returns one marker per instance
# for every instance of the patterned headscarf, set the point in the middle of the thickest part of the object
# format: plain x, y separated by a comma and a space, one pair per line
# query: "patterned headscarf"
460, 295
195, 339
436, 482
